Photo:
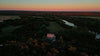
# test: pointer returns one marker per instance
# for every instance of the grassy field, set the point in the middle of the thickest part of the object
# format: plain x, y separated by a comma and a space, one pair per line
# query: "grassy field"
55, 27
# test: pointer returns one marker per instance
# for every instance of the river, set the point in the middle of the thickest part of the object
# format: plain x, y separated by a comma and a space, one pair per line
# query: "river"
73, 25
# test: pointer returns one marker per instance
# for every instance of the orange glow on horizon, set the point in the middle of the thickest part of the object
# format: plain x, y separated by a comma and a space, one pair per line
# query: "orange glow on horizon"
51, 5
52, 8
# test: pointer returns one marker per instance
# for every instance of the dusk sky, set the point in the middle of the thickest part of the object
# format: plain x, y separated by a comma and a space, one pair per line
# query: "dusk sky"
51, 5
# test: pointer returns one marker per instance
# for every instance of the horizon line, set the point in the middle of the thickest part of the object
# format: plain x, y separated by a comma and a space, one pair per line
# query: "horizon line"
56, 10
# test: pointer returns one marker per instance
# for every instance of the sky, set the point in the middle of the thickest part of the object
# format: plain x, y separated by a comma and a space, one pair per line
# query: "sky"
51, 5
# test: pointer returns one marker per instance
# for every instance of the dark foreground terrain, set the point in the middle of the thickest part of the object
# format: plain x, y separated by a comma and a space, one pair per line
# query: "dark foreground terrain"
49, 35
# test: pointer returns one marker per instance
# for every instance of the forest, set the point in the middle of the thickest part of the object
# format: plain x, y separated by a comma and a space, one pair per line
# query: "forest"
48, 35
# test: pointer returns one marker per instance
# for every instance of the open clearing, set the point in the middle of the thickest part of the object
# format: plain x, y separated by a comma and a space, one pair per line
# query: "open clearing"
54, 27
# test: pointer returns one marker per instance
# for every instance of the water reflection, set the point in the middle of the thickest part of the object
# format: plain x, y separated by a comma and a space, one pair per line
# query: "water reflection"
68, 23
97, 36
73, 25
